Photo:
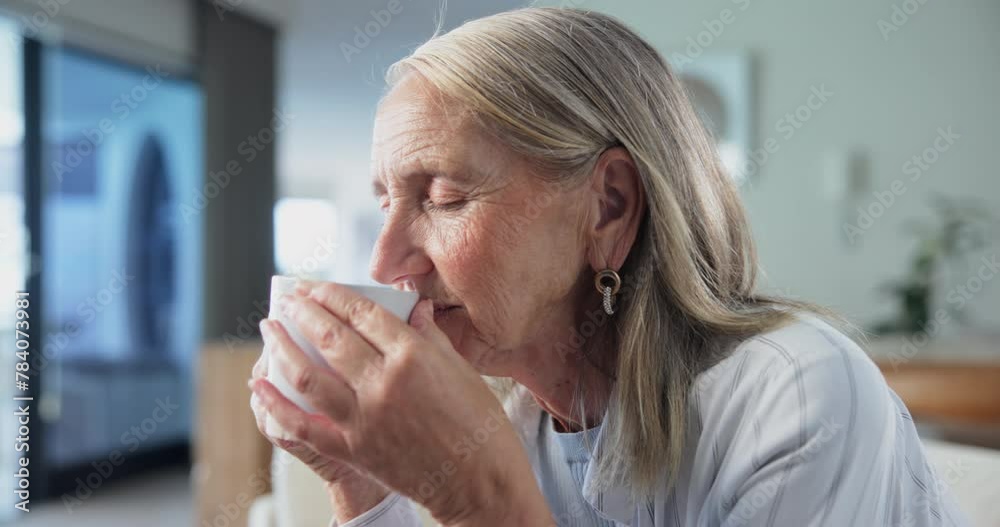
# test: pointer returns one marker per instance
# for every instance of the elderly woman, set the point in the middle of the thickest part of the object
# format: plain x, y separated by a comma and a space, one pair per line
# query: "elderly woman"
549, 191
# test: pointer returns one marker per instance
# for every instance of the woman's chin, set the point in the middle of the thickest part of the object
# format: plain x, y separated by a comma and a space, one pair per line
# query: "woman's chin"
455, 324
479, 356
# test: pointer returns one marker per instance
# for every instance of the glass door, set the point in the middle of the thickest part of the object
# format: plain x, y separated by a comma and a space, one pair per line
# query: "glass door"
121, 184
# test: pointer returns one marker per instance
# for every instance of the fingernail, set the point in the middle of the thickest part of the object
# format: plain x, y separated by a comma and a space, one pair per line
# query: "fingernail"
263, 394
286, 304
423, 309
286, 443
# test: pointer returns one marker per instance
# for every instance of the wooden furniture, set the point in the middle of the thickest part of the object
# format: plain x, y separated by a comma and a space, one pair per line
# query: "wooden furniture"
951, 384
231, 458
948, 391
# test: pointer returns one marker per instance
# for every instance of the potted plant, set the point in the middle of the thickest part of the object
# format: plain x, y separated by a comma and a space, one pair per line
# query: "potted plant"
959, 227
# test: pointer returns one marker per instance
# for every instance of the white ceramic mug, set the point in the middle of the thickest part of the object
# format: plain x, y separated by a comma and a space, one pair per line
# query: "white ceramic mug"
399, 303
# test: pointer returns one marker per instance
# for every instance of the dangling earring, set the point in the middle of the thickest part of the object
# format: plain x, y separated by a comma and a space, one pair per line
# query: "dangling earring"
608, 282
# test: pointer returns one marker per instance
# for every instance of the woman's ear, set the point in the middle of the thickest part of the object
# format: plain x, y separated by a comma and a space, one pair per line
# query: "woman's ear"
618, 202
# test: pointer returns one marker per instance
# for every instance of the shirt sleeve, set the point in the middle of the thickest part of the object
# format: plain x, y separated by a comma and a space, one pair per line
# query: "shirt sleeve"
830, 444
393, 511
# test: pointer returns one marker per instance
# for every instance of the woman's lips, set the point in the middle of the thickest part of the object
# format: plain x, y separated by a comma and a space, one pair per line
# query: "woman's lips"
440, 310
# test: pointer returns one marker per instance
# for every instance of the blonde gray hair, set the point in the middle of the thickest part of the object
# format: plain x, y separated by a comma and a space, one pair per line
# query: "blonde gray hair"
559, 87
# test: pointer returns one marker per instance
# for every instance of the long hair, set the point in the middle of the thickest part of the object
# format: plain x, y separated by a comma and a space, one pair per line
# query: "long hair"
559, 87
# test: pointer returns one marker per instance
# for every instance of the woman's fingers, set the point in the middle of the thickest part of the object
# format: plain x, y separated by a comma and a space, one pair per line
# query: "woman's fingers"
326, 467
260, 367
383, 330
313, 431
343, 349
422, 319
259, 414
259, 372
325, 390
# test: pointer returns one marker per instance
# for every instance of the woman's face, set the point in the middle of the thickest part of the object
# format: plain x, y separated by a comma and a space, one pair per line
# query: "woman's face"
469, 225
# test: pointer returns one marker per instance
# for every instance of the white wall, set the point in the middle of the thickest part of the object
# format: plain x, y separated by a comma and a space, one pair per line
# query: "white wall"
155, 31
939, 69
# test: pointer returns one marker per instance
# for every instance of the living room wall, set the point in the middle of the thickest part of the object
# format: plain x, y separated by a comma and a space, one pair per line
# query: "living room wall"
886, 104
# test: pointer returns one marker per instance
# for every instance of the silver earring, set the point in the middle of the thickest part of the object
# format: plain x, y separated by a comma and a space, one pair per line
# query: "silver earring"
608, 283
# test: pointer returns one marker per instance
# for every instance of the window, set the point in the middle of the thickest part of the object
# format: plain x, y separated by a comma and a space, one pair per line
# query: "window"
121, 178
305, 237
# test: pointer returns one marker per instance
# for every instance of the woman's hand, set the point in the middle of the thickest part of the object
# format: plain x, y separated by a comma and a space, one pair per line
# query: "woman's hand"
351, 493
329, 469
400, 405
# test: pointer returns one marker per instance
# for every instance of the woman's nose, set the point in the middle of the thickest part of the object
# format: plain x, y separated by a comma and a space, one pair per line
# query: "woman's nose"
398, 256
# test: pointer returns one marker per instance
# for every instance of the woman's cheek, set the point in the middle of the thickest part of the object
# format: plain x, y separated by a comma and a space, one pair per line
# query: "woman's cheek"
472, 263
457, 230
461, 252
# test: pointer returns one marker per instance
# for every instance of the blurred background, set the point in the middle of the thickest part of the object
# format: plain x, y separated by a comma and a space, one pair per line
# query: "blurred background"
160, 159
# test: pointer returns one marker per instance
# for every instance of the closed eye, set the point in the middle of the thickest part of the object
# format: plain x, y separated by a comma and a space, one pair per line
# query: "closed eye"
447, 206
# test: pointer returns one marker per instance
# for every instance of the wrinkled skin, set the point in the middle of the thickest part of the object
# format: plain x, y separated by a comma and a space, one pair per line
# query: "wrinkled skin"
505, 262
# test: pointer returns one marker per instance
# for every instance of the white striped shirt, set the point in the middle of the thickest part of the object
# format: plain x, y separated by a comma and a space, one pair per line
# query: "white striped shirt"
796, 427
563, 463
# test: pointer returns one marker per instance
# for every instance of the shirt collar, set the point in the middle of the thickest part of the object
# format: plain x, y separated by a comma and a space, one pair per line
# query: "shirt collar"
613, 504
